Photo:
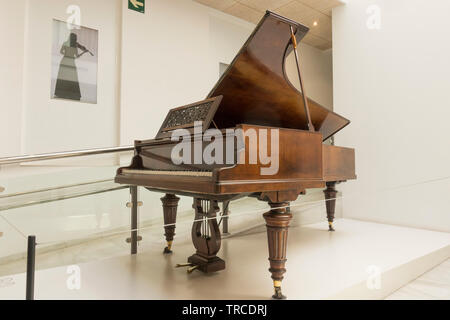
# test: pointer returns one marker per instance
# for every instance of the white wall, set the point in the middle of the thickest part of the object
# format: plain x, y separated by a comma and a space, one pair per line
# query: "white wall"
317, 70
393, 84
12, 24
60, 125
171, 57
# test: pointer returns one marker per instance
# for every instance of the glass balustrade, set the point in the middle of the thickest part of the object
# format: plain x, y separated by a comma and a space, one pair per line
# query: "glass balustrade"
77, 213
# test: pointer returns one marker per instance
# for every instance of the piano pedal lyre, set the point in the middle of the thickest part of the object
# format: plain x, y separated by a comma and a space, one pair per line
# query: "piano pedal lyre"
206, 237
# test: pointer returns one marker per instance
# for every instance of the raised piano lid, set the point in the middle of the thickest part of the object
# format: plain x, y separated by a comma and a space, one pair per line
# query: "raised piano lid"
255, 87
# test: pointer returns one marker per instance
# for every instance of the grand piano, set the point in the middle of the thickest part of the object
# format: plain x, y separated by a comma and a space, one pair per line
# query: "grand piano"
254, 135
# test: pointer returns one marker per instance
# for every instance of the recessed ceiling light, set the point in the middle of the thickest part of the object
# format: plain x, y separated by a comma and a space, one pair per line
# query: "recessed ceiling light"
315, 23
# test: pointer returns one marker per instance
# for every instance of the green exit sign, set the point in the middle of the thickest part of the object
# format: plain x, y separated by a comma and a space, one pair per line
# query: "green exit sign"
137, 5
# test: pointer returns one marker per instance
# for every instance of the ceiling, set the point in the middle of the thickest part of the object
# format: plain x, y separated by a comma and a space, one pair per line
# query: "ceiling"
304, 11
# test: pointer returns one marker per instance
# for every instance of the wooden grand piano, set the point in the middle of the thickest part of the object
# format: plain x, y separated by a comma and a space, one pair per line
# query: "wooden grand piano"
254, 107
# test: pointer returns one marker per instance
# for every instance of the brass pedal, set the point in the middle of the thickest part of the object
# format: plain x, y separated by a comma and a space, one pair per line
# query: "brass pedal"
191, 266
182, 265
191, 269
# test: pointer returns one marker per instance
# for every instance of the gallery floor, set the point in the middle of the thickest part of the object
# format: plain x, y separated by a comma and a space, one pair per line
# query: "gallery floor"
353, 262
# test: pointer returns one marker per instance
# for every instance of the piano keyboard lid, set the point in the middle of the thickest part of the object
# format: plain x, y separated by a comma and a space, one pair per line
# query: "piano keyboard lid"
255, 87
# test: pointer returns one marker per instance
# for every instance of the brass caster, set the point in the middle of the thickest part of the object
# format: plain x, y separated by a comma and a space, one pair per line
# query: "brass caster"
278, 295
167, 250
330, 226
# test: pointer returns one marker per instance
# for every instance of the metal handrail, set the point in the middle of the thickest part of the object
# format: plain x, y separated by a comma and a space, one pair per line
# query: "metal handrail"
63, 197
65, 154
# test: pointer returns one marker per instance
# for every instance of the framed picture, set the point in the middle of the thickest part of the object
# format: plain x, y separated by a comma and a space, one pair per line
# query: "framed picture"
74, 63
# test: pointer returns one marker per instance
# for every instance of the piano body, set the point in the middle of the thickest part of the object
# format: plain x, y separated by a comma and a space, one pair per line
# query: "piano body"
253, 106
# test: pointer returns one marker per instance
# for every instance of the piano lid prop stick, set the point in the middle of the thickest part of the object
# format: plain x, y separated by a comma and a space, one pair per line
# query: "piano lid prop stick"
305, 99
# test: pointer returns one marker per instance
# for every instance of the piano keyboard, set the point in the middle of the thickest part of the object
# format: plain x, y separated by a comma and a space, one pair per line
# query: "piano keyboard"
169, 172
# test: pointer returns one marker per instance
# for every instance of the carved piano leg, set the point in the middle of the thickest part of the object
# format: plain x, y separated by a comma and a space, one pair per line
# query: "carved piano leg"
330, 197
170, 205
206, 237
277, 222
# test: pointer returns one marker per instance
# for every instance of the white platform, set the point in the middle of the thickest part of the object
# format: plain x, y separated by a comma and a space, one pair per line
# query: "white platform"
321, 265
432, 285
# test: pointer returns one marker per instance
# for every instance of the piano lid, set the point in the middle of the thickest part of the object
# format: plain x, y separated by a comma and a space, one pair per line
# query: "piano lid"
255, 87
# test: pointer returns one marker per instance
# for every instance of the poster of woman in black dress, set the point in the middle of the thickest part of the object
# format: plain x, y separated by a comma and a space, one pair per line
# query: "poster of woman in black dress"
74, 65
